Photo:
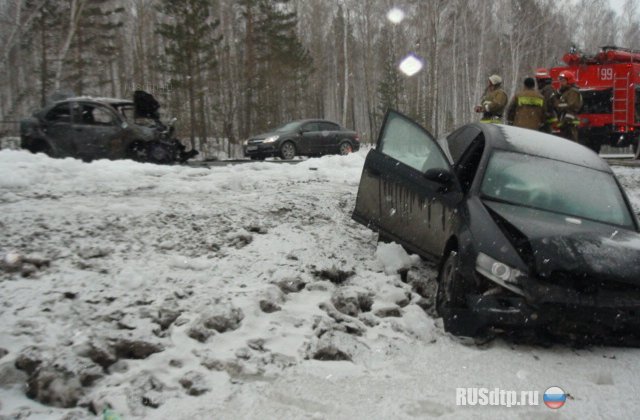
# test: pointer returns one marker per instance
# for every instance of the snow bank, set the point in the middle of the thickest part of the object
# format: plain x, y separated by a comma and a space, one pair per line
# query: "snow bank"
244, 291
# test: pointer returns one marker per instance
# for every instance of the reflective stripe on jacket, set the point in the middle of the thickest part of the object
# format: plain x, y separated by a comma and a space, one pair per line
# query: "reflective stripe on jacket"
530, 101
527, 109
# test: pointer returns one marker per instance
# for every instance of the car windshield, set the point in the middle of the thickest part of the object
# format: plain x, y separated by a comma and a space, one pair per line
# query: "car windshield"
289, 127
555, 186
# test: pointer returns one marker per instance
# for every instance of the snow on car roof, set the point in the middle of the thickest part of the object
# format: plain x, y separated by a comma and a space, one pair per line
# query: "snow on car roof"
109, 101
544, 145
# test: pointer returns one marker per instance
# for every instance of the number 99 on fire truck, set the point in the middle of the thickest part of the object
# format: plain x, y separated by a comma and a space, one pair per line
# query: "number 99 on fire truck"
609, 82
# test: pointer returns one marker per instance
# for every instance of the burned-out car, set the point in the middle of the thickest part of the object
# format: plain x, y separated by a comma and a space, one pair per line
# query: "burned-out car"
103, 128
530, 231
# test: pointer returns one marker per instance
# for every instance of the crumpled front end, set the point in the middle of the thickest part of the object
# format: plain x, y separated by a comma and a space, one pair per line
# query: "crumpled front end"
160, 146
569, 276
562, 305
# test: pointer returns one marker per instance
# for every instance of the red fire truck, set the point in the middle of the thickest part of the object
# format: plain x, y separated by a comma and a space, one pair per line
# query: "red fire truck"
610, 85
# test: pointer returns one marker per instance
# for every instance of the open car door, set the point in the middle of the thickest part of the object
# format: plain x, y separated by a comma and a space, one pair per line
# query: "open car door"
408, 189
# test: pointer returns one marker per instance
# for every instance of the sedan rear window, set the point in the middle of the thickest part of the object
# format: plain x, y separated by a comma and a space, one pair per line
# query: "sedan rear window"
555, 186
289, 127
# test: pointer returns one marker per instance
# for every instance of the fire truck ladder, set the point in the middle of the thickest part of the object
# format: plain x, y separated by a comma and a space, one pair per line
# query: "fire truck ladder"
621, 100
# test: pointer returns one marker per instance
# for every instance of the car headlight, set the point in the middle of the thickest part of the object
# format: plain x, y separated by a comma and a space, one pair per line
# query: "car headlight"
506, 276
271, 139
245, 143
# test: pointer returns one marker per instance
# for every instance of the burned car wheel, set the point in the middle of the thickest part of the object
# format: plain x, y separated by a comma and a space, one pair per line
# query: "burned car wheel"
159, 153
40, 146
288, 151
137, 151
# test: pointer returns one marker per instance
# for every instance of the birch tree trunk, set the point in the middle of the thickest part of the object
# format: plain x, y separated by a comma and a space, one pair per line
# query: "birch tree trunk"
345, 98
75, 11
480, 64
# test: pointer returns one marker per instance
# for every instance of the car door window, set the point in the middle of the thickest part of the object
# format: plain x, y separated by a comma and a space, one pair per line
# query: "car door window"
60, 113
327, 126
96, 115
311, 127
407, 142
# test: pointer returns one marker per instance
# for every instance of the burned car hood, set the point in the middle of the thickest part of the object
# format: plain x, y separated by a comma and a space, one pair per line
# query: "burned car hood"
560, 245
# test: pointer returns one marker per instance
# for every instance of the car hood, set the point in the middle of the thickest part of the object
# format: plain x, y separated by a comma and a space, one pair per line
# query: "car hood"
573, 247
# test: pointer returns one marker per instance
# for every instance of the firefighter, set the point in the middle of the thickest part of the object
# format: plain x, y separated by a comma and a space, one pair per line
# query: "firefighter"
568, 106
543, 81
526, 109
493, 101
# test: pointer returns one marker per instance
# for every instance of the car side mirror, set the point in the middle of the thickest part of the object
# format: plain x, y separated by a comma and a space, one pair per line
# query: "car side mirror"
440, 175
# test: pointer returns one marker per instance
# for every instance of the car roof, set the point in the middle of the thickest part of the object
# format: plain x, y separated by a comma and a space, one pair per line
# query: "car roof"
314, 120
531, 142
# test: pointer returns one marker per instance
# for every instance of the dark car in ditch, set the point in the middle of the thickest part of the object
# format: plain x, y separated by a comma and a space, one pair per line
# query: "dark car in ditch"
103, 128
302, 138
529, 231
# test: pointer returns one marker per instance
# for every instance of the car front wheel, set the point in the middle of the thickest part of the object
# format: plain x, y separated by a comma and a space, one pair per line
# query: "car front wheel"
451, 301
451, 290
288, 151
345, 148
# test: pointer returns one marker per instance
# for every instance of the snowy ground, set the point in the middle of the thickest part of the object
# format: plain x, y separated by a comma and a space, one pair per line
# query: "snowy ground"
174, 292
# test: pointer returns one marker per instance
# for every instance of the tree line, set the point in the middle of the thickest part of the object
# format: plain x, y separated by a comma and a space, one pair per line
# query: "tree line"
232, 68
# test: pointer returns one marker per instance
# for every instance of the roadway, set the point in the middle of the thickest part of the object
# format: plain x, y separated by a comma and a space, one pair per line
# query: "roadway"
612, 159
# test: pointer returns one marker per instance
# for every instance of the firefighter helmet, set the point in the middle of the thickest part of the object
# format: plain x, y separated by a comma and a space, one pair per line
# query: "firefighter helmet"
542, 73
568, 76
495, 79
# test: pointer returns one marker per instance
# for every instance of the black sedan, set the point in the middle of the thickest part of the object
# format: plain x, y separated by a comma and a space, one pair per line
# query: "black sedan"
528, 229
304, 137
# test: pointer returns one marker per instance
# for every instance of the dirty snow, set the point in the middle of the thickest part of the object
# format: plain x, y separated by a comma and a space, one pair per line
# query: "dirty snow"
243, 291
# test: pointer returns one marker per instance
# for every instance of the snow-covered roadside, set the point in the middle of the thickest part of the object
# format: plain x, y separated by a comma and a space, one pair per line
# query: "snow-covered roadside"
174, 292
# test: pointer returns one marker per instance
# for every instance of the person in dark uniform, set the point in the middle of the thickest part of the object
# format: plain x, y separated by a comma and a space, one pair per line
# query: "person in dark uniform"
543, 82
568, 106
526, 109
